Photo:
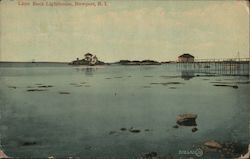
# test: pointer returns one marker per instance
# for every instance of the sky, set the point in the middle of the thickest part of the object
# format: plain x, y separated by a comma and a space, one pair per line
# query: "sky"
133, 30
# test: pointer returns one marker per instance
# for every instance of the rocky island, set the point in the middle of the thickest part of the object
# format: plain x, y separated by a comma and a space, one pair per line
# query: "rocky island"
92, 60
89, 60
136, 62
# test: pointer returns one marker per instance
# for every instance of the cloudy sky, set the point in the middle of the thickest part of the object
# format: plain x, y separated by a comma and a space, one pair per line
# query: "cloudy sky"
159, 30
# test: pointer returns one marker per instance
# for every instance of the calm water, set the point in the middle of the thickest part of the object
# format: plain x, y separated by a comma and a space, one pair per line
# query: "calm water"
101, 100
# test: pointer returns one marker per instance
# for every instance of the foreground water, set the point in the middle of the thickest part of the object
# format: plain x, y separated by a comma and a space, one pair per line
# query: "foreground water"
83, 109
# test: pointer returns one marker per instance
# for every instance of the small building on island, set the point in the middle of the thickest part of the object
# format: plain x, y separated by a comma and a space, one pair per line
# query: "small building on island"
89, 59
186, 58
88, 56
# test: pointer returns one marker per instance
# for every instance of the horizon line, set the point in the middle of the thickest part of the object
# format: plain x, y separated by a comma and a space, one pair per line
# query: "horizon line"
122, 59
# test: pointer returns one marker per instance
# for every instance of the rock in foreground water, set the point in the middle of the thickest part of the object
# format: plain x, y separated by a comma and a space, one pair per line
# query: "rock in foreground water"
45, 86
36, 90
64, 93
194, 129
213, 144
29, 143
3, 155
186, 119
175, 126
123, 129
133, 130
150, 155
224, 85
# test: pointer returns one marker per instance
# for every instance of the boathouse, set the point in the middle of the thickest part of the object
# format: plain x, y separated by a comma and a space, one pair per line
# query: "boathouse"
186, 58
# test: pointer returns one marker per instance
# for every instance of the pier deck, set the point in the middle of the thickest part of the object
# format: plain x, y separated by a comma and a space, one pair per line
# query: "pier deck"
233, 67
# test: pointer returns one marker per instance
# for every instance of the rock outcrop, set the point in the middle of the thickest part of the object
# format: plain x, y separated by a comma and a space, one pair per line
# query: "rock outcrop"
213, 144
186, 120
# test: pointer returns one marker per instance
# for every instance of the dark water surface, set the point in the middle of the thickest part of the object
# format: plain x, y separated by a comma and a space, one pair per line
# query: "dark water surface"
78, 111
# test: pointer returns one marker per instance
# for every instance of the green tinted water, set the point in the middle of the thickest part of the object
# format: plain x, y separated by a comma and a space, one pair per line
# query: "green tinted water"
102, 100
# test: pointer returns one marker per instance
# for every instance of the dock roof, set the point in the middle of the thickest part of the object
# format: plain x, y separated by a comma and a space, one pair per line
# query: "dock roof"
186, 55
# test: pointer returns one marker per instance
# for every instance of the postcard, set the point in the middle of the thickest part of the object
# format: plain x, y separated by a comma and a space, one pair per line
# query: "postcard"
124, 79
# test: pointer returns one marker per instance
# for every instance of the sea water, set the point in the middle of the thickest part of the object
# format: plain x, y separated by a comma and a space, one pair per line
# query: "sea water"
100, 100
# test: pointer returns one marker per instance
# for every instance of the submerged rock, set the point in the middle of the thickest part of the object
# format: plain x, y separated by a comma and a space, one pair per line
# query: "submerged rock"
14, 87
213, 144
36, 90
166, 83
175, 83
45, 86
112, 132
225, 85
123, 129
186, 119
133, 130
78, 85
64, 93
150, 155
172, 87
175, 126
29, 143
228, 83
194, 129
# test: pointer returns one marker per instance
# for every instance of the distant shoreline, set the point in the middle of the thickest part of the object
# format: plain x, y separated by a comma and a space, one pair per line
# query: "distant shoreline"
33, 62
106, 63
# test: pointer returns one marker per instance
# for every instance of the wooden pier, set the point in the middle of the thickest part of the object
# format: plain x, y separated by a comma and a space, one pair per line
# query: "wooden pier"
231, 67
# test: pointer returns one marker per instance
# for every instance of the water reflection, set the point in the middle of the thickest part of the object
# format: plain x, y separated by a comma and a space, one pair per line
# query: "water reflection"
187, 75
88, 70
